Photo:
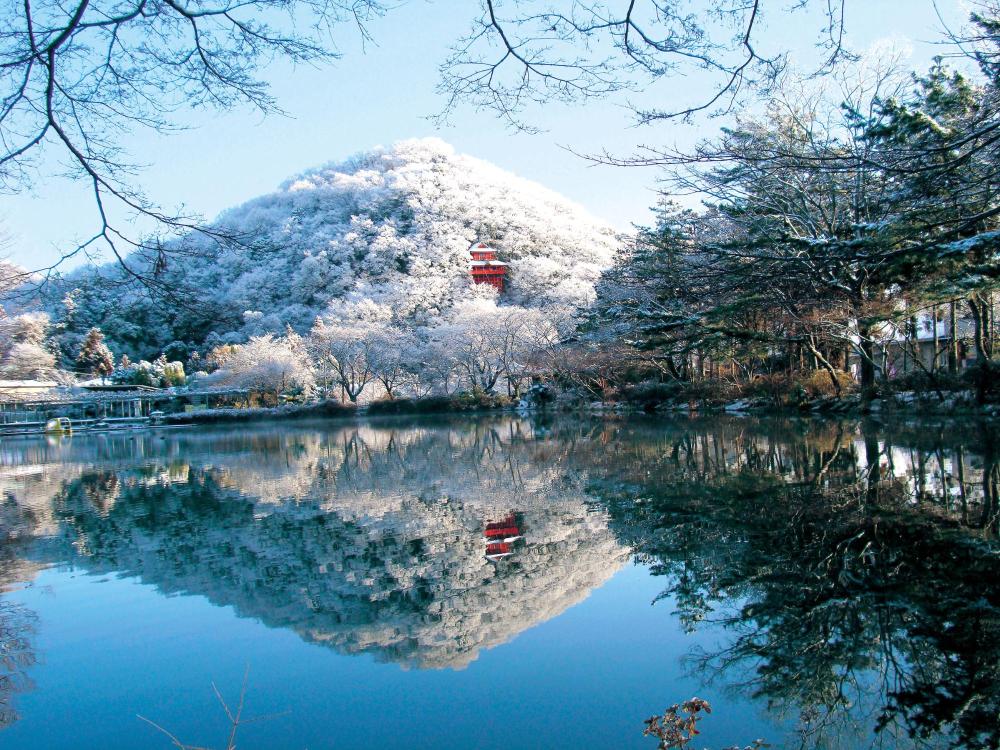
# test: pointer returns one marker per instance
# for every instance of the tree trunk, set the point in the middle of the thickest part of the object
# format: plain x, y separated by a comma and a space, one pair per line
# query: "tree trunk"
672, 367
873, 468
952, 338
935, 342
825, 363
991, 496
993, 321
867, 366
981, 321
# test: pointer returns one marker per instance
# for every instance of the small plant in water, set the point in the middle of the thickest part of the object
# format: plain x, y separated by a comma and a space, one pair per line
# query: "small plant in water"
678, 725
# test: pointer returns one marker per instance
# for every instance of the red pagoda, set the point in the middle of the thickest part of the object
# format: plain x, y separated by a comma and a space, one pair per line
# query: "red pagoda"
486, 269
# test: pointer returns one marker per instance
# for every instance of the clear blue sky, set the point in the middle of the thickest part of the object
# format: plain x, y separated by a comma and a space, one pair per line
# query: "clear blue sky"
384, 93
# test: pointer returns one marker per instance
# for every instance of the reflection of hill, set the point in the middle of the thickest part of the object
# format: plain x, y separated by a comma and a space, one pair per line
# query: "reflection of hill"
365, 539
413, 586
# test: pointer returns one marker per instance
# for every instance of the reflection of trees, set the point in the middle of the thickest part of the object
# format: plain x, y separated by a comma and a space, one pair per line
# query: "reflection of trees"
856, 567
16, 656
857, 575
364, 539
17, 628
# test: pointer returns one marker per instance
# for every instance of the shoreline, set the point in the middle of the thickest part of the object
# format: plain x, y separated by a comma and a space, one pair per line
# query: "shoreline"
899, 405
959, 404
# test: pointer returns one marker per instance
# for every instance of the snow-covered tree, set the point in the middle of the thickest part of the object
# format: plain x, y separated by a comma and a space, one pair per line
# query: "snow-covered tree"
351, 343
395, 356
487, 342
520, 336
266, 364
95, 357
25, 360
11, 275
431, 366
467, 341
24, 352
29, 328
160, 373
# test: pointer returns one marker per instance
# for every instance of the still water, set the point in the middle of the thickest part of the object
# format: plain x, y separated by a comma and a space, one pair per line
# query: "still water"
503, 583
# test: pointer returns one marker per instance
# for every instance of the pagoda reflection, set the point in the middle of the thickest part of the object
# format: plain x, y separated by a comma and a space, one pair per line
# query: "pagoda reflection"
500, 537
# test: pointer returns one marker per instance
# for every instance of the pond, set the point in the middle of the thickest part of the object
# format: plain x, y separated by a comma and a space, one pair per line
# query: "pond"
503, 582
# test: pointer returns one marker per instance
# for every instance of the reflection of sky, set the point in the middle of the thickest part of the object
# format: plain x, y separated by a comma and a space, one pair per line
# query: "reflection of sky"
113, 648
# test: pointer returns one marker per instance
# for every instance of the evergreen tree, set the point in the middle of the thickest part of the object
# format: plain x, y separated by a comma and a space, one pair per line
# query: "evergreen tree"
95, 357
943, 155
656, 294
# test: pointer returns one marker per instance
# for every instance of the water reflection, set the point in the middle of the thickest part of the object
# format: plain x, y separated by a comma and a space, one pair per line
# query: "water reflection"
854, 569
17, 648
363, 539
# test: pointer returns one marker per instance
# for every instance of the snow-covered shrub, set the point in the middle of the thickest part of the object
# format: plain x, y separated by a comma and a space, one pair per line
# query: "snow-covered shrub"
159, 373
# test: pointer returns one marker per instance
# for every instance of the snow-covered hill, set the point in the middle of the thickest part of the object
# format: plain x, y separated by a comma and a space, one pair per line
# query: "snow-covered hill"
393, 225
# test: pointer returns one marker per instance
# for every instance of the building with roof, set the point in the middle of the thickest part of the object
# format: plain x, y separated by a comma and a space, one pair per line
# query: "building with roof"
10, 389
485, 268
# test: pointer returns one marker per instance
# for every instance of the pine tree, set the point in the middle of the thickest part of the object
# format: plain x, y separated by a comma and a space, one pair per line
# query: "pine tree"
95, 357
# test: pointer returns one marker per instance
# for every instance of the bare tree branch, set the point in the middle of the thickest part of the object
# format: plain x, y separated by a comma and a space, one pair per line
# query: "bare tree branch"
575, 50
76, 77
